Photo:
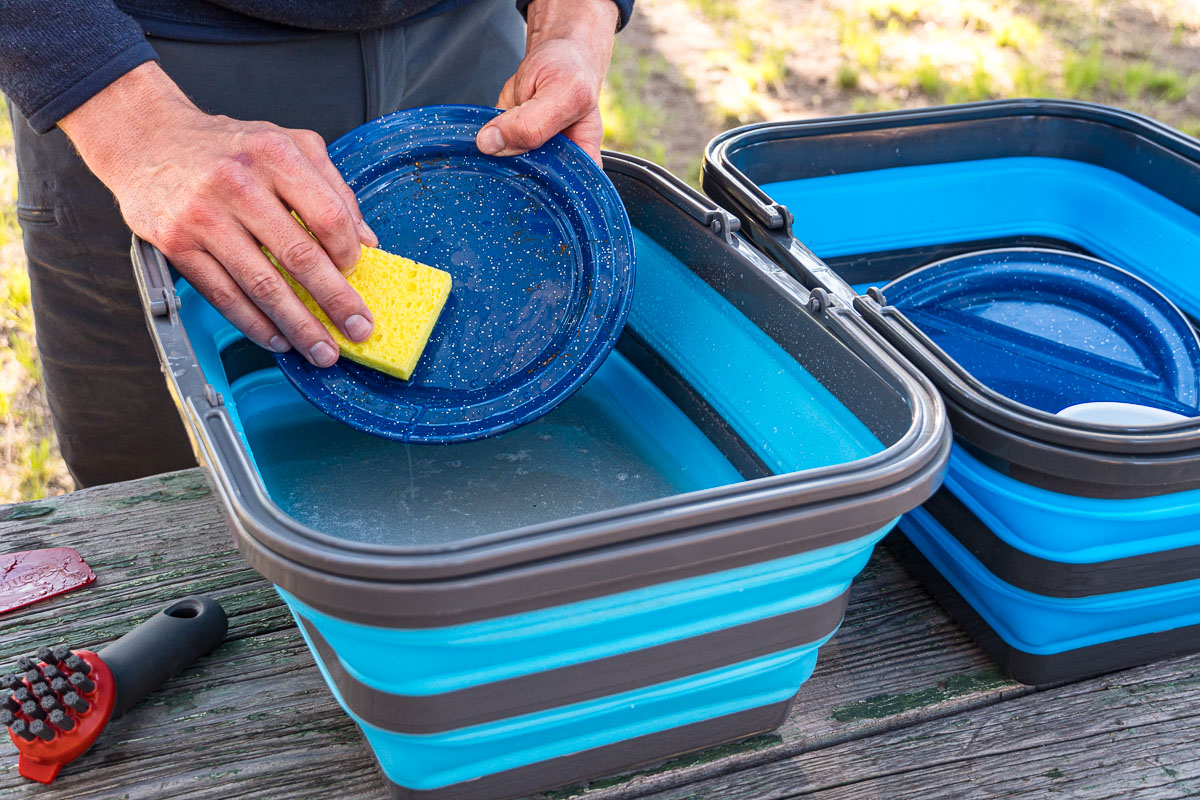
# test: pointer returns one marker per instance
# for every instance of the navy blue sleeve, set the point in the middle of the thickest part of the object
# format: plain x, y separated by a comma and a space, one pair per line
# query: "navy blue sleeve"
56, 54
624, 6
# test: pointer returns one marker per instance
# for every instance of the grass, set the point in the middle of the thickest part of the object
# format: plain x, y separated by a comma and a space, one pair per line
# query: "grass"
1089, 75
860, 43
631, 124
1082, 72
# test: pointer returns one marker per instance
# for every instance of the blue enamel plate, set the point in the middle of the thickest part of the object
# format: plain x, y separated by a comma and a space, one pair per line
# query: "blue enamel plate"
1053, 330
541, 253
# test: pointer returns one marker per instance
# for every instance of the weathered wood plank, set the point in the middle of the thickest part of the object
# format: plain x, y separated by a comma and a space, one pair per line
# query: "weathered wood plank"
1128, 735
253, 719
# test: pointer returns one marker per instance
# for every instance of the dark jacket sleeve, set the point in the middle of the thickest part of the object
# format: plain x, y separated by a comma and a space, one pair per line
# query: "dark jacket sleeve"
624, 6
56, 54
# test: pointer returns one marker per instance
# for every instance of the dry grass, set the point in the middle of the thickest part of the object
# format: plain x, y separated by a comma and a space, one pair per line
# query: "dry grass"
687, 69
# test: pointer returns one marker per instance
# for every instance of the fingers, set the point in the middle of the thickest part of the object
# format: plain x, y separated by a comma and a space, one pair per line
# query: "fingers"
213, 282
301, 187
266, 288
313, 147
554, 106
307, 263
508, 94
588, 133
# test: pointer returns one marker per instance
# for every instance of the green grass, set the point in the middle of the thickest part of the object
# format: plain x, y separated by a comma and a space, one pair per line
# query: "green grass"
718, 11
1144, 79
899, 12
1018, 33
977, 87
1082, 72
865, 104
847, 77
631, 124
927, 78
860, 43
1088, 75
1030, 80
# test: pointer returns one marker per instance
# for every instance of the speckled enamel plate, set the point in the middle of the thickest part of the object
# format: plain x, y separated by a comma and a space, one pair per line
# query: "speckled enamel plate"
541, 252
1053, 329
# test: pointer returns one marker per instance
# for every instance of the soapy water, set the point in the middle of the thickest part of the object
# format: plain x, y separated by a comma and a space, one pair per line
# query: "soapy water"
594, 452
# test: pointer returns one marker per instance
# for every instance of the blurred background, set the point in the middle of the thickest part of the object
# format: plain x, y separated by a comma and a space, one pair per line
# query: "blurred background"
686, 69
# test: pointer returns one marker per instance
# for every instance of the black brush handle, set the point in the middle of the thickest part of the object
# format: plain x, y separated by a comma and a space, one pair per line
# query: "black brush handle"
163, 646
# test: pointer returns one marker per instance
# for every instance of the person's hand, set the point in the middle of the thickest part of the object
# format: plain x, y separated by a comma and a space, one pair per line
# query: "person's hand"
209, 190
556, 88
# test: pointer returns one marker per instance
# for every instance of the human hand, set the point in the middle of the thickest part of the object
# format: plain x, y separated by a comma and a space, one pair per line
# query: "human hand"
209, 190
556, 88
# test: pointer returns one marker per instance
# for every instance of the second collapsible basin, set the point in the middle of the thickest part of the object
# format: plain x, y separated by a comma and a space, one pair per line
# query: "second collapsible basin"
647, 570
1068, 546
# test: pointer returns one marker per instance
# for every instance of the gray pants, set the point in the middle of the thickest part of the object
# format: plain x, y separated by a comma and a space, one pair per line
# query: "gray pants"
112, 413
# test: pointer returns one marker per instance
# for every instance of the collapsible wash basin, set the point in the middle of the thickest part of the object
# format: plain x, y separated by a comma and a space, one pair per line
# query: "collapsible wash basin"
649, 569
1065, 511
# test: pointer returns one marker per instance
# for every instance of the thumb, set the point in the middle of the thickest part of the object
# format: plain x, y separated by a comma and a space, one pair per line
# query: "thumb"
553, 108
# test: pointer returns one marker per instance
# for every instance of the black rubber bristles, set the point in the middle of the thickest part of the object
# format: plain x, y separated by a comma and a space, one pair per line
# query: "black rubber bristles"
32, 675
60, 685
41, 689
52, 655
9, 704
7, 717
59, 719
32, 710
22, 695
61, 653
81, 683
40, 729
77, 664
10, 681
50, 672
75, 703
50, 703
25, 663
21, 728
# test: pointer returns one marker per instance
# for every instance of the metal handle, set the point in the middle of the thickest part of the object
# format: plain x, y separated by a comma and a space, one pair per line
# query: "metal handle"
695, 205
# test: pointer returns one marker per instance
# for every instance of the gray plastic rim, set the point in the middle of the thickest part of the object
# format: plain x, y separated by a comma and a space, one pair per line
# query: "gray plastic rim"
627, 547
587, 680
769, 225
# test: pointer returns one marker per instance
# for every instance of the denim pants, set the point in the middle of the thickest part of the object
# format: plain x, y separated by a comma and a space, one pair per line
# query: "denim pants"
113, 415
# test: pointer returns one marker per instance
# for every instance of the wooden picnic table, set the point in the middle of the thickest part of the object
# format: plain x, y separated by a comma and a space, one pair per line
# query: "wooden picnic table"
902, 704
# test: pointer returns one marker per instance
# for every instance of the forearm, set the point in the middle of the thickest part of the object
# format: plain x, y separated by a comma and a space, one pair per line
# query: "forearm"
147, 103
56, 54
579, 20
624, 10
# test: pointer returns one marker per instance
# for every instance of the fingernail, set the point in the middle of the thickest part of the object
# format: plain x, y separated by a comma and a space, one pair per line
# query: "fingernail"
280, 344
357, 327
491, 141
368, 236
323, 355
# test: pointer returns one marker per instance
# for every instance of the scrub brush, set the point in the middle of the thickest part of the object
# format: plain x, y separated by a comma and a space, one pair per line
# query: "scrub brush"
406, 298
56, 705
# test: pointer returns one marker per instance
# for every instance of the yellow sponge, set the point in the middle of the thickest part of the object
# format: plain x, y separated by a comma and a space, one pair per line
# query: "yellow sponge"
406, 298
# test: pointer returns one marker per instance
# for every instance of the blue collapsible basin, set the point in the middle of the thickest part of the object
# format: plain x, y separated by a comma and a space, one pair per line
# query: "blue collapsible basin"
646, 570
1075, 515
